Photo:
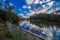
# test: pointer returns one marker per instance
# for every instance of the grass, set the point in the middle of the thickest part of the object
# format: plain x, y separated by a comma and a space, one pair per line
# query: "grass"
3, 29
4, 33
16, 34
24, 36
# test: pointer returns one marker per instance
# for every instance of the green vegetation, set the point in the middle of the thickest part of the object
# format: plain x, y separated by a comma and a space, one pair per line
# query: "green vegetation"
46, 17
15, 32
24, 36
9, 16
12, 18
4, 31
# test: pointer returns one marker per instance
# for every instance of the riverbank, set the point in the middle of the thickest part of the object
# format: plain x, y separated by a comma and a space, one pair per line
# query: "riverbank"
46, 17
4, 33
38, 22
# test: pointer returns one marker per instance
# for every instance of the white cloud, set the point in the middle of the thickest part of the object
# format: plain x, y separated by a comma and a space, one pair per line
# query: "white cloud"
29, 1
43, 9
21, 14
31, 13
48, 0
29, 7
40, 2
36, 1
50, 11
43, 6
10, 4
24, 6
50, 3
57, 8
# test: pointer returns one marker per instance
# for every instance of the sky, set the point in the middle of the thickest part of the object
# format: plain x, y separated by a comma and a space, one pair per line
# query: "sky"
31, 7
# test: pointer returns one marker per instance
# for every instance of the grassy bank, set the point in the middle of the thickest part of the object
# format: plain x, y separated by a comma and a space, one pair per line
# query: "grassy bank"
44, 22
4, 33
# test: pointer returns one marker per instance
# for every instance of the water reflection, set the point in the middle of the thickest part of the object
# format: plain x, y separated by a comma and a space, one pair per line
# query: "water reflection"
51, 32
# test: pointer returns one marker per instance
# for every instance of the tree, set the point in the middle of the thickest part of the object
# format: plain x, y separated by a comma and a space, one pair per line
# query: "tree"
8, 16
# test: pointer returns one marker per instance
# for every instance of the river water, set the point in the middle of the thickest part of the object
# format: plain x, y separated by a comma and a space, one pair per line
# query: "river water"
51, 32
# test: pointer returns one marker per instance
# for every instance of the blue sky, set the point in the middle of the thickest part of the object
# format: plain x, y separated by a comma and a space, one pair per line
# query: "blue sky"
28, 7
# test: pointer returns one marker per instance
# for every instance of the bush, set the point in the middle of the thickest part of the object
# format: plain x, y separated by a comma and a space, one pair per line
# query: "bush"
9, 16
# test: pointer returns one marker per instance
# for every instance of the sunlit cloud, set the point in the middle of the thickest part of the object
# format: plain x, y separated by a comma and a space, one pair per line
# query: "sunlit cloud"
42, 10
29, 2
24, 6
43, 6
22, 15
51, 3
31, 13
29, 7
36, 1
48, 0
10, 4
40, 2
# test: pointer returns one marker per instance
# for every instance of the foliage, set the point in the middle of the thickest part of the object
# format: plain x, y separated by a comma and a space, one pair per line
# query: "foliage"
46, 17
9, 16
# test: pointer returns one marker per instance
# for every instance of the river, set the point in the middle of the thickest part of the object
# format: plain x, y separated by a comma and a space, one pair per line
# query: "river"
51, 32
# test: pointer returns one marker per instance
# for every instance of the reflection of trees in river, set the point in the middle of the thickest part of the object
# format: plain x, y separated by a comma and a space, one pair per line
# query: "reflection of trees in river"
52, 31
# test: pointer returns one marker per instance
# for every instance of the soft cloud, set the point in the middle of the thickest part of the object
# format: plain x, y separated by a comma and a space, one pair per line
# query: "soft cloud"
22, 16
48, 0
10, 4
40, 2
24, 6
50, 3
31, 13
57, 8
36, 1
29, 2
43, 6
50, 11
42, 10
29, 7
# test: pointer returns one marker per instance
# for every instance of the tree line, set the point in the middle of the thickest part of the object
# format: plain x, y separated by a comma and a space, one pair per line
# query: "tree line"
46, 17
